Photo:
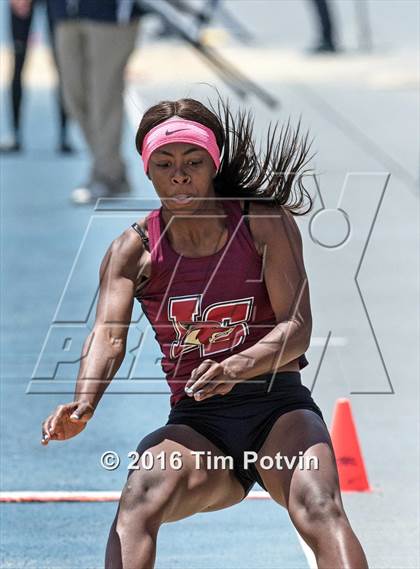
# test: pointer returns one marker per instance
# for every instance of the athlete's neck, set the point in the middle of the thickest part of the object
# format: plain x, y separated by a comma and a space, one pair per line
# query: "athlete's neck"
196, 224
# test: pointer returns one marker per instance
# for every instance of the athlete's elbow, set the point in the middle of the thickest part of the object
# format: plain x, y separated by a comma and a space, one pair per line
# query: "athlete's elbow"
302, 336
116, 346
307, 333
108, 340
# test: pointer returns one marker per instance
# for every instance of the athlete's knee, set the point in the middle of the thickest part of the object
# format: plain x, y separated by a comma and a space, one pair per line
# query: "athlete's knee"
142, 488
316, 508
148, 494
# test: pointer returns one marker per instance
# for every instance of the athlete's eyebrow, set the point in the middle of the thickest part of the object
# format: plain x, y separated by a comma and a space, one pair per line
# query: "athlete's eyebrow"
196, 149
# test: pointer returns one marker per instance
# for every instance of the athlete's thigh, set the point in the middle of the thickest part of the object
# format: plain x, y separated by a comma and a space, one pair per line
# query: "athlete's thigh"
299, 435
180, 474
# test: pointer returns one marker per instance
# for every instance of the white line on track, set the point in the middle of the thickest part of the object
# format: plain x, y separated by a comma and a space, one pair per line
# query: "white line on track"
85, 496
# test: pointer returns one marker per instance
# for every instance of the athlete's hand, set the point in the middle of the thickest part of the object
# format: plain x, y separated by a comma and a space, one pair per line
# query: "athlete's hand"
66, 422
210, 378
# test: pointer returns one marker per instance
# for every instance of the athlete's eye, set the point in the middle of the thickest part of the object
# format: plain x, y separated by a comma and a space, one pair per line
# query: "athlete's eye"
163, 165
194, 163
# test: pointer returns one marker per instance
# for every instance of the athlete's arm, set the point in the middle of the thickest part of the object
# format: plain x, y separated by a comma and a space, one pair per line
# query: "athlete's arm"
104, 348
288, 289
278, 238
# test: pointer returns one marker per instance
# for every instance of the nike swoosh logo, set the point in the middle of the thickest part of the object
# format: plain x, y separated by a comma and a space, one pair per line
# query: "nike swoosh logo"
168, 132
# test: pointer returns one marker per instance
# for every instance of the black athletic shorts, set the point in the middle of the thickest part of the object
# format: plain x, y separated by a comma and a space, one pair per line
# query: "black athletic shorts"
241, 420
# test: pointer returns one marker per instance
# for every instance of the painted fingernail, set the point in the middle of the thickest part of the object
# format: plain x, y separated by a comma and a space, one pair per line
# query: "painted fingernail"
188, 390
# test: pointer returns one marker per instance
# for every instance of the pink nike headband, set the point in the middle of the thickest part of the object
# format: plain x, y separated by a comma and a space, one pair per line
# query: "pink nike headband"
177, 129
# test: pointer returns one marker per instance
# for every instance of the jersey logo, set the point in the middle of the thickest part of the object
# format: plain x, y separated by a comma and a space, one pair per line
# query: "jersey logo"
221, 326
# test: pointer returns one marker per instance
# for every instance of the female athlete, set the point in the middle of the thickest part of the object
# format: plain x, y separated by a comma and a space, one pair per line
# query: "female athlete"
219, 272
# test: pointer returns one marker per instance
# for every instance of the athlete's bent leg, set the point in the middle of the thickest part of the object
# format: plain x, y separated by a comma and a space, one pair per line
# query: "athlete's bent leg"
310, 489
159, 495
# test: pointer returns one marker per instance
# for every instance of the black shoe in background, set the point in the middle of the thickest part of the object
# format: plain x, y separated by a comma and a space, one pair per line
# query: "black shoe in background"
65, 148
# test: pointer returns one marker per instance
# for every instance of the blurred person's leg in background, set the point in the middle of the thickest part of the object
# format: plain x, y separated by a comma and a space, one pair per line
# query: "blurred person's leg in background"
326, 27
20, 24
21, 16
71, 42
63, 145
109, 47
92, 57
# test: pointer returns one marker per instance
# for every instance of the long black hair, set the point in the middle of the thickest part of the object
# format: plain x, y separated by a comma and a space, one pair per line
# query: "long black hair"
275, 172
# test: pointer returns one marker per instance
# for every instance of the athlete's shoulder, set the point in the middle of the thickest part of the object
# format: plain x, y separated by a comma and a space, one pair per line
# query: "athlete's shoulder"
270, 224
129, 243
125, 252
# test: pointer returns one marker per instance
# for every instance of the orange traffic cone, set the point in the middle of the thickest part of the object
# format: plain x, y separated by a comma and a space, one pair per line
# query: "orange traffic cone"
351, 467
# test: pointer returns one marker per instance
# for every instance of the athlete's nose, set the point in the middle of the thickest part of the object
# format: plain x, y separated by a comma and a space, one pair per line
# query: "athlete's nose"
180, 178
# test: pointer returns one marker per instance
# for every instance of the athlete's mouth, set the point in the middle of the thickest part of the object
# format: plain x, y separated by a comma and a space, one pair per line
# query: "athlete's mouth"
182, 198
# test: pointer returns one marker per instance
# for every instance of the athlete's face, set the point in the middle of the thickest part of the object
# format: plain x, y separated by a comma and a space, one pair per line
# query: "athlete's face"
183, 172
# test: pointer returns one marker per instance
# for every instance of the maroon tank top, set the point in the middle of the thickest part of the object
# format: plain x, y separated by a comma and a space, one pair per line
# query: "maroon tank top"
205, 307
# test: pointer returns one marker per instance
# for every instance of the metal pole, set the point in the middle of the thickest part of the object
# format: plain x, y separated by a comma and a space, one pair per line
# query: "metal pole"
232, 76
